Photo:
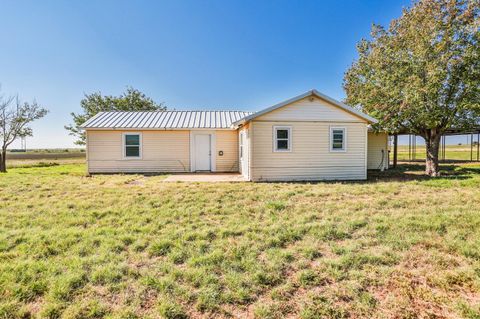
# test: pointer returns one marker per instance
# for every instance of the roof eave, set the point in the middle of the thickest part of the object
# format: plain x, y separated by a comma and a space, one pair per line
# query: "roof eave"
158, 128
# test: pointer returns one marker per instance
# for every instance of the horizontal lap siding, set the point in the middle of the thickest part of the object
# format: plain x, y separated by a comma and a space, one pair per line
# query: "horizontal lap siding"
310, 158
227, 141
377, 143
162, 151
310, 109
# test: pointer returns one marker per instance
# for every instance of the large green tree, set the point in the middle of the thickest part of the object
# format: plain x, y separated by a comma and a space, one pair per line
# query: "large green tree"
422, 73
131, 100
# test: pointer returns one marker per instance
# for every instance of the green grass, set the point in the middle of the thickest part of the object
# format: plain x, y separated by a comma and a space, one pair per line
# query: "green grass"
28, 163
45, 157
129, 246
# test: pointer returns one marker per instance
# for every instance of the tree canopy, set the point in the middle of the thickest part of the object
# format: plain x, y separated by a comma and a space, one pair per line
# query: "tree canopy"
422, 74
131, 100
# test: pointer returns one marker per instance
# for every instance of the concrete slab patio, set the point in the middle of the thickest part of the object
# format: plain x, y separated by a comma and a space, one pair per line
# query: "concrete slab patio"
205, 177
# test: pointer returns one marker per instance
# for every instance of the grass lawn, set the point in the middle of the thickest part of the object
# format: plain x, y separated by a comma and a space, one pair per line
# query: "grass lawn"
452, 153
128, 246
27, 163
47, 157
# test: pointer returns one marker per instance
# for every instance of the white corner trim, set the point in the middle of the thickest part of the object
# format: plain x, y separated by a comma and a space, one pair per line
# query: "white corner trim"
366, 152
344, 149
87, 151
274, 138
251, 139
124, 149
213, 148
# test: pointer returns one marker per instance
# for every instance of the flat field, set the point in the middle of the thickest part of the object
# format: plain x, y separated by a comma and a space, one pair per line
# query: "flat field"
45, 157
399, 245
452, 152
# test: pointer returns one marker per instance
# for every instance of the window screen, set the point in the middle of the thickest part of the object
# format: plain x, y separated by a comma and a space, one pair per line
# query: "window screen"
282, 138
338, 139
132, 145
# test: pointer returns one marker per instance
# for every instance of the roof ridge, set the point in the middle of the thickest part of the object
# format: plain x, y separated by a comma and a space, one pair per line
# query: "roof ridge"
176, 111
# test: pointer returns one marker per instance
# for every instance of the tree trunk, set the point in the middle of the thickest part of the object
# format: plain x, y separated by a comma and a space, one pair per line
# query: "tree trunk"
3, 161
395, 150
432, 144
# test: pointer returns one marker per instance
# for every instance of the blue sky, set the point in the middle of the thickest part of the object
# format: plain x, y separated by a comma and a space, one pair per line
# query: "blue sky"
243, 55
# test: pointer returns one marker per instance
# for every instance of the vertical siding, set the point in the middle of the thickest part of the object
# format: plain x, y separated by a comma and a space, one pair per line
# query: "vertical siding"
227, 141
162, 151
376, 143
310, 157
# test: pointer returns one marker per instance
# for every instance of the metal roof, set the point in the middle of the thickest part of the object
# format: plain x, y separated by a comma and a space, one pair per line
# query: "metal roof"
165, 120
198, 119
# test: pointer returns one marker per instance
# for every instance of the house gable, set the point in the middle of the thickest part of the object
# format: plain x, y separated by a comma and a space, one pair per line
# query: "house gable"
310, 108
322, 107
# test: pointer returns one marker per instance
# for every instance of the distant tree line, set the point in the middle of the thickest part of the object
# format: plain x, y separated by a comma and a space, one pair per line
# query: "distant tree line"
131, 100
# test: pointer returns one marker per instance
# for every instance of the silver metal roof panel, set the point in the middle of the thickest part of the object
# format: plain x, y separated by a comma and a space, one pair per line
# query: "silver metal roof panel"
165, 120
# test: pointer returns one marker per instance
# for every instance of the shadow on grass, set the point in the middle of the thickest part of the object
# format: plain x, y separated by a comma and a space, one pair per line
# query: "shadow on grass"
404, 172
416, 172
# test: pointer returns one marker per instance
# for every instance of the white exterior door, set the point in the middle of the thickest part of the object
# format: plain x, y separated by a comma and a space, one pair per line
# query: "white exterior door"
202, 152
243, 153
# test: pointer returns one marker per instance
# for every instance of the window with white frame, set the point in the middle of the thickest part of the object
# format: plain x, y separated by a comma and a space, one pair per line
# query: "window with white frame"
337, 139
282, 138
132, 145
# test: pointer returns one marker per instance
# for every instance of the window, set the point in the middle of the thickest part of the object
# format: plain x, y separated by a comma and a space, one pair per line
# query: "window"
132, 145
282, 138
337, 139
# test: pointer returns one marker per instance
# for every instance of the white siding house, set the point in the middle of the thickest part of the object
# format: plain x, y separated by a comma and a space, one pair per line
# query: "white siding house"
309, 137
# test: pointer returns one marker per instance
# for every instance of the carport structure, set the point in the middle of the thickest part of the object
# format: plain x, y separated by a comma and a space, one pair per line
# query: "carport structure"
473, 139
